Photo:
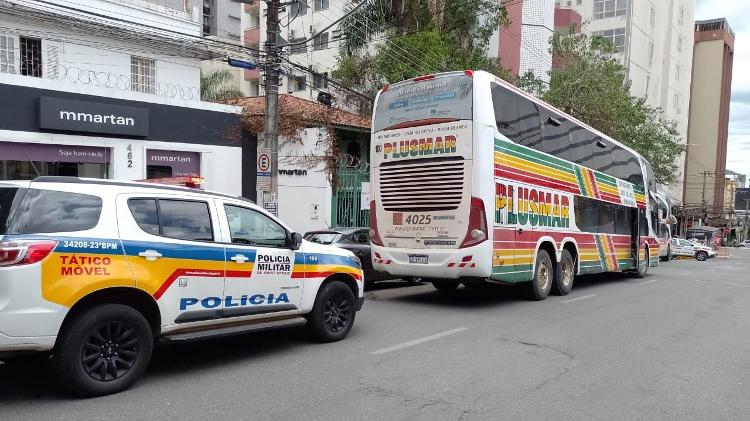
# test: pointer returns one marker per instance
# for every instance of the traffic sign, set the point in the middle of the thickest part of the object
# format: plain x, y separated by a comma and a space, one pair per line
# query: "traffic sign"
263, 169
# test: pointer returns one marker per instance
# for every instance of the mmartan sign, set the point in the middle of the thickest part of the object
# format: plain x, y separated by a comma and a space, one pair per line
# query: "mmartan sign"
92, 117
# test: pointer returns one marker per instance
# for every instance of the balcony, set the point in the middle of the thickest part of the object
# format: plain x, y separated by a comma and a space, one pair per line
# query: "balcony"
252, 37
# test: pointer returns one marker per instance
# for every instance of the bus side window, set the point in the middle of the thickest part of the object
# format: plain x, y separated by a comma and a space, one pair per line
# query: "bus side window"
587, 214
624, 221
556, 135
643, 222
607, 218
516, 117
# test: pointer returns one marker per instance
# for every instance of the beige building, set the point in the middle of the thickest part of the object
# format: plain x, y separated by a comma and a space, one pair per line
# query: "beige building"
654, 39
705, 166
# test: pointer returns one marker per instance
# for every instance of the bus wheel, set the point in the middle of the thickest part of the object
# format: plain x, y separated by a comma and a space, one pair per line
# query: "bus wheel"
445, 286
642, 270
565, 273
544, 275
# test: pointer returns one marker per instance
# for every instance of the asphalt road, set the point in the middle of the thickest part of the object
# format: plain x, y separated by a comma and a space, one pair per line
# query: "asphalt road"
675, 345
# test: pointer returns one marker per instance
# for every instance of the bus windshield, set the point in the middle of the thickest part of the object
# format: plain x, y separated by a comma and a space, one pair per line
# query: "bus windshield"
430, 99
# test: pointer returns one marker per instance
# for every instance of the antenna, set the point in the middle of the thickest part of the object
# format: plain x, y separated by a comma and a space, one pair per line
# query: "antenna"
36, 170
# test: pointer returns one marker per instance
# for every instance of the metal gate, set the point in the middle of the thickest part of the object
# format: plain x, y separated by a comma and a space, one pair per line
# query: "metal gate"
347, 208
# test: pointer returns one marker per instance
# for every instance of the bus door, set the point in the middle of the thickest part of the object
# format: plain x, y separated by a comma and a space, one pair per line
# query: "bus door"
638, 217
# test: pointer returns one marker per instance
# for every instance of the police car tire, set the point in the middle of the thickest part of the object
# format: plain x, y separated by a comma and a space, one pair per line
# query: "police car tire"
701, 256
68, 351
329, 294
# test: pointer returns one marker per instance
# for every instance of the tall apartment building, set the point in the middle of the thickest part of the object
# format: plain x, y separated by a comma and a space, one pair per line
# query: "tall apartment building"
654, 40
299, 21
523, 45
111, 89
705, 166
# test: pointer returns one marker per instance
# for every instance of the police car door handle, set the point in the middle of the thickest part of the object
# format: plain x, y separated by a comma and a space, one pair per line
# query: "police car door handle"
239, 258
150, 255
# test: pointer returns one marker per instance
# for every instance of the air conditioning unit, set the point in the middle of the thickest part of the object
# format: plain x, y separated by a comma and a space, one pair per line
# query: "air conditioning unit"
313, 29
336, 34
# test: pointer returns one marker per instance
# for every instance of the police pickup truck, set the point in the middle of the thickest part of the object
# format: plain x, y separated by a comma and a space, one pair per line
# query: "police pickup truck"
94, 272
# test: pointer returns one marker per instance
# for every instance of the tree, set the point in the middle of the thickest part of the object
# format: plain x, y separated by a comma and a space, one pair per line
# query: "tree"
214, 89
590, 84
416, 37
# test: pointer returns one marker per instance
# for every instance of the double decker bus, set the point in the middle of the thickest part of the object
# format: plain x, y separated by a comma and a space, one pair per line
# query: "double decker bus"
663, 226
475, 181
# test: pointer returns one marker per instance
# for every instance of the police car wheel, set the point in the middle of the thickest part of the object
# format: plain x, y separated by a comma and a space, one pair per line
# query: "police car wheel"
702, 256
332, 316
103, 350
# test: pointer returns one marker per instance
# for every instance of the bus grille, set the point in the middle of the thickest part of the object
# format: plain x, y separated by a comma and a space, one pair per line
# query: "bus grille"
422, 185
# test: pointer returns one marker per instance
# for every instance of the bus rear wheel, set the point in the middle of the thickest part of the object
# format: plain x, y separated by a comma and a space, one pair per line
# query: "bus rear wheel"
544, 274
642, 269
564, 274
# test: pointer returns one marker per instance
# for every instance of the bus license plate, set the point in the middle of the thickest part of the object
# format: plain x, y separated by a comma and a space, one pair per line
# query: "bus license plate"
418, 258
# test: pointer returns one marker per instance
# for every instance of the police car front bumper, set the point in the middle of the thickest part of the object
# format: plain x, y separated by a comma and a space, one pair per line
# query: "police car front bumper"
360, 303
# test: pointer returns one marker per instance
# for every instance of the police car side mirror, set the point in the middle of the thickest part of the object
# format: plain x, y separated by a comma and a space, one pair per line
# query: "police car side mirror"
295, 240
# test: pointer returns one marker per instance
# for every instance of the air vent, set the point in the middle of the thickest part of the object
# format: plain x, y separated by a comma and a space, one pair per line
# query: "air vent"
422, 185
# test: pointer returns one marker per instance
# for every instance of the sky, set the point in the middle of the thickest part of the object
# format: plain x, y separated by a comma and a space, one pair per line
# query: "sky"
737, 13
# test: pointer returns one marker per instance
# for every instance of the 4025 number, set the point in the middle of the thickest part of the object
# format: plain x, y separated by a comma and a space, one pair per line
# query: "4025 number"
418, 219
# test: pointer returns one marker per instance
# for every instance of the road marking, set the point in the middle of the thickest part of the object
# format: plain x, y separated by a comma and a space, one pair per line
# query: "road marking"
722, 283
647, 282
579, 299
419, 341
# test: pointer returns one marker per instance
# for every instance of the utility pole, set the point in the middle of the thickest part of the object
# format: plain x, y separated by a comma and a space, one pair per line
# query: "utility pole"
703, 195
271, 126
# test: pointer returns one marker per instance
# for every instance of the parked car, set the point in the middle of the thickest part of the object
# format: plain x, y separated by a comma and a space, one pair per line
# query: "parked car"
703, 252
356, 240
96, 271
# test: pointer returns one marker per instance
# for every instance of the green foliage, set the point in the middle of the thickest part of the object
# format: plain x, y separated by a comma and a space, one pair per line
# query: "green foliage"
214, 89
590, 84
417, 37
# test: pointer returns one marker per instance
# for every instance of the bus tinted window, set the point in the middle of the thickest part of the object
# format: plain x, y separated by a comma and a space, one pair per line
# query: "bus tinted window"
444, 98
599, 217
517, 118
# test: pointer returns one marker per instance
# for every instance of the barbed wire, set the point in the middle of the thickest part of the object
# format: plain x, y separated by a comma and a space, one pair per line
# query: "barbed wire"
104, 79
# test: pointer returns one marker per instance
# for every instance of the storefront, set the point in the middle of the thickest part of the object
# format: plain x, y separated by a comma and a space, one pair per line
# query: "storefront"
48, 132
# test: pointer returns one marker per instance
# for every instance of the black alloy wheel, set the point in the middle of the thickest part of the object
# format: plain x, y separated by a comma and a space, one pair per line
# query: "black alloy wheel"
110, 351
337, 312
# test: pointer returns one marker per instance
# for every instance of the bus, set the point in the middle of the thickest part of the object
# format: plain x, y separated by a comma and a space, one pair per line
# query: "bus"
474, 181
663, 226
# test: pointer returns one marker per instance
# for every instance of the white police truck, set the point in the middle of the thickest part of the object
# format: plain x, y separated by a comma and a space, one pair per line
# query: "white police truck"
95, 271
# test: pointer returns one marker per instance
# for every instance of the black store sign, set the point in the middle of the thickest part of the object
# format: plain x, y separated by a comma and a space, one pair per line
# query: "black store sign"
92, 117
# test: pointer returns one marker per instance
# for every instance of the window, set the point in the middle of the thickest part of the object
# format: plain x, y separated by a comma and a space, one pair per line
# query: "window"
7, 54
615, 36
652, 18
44, 211
361, 237
322, 237
299, 8
681, 19
143, 75
320, 41
676, 103
600, 217
677, 72
642, 222
31, 57
299, 48
297, 83
145, 214
578, 2
320, 80
252, 228
679, 42
321, 4
10, 198
516, 117
185, 220
609, 8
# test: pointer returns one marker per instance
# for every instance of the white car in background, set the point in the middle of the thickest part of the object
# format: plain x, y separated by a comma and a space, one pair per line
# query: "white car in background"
745, 243
703, 252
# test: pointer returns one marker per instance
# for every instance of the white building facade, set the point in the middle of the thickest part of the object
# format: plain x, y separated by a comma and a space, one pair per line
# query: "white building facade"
655, 41
111, 89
